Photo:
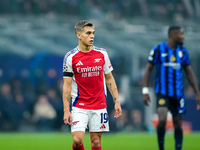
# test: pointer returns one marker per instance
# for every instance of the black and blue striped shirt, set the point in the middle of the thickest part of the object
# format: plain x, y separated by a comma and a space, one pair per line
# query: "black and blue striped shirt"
169, 64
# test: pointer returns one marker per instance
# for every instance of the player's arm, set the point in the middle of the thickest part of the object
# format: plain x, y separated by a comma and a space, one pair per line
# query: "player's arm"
193, 82
146, 78
112, 87
66, 100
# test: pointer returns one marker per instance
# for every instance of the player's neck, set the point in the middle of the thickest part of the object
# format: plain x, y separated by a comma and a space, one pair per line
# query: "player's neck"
171, 45
84, 48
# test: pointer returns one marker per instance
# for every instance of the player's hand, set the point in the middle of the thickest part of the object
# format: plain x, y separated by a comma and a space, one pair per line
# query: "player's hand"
146, 99
198, 101
118, 110
67, 118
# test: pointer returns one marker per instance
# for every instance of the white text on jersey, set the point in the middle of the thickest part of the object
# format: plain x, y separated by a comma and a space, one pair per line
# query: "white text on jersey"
89, 69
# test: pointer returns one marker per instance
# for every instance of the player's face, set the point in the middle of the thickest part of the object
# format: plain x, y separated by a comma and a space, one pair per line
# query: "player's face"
179, 37
87, 36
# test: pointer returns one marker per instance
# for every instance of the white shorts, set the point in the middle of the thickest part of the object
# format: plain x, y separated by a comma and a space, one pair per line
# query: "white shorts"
96, 120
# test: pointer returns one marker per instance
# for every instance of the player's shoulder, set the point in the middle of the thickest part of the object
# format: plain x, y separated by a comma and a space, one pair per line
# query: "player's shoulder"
182, 48
183, 51
99, 49
157, 47
71, 52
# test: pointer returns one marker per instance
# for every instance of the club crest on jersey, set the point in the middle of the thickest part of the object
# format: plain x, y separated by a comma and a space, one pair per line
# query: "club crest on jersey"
97, 60
173, 58
161, 101
180, 54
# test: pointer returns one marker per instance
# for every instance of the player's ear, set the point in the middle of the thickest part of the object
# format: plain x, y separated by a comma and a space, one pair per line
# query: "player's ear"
78, 34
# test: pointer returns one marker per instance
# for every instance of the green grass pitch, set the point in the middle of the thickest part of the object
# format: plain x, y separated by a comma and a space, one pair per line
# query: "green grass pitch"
118, 141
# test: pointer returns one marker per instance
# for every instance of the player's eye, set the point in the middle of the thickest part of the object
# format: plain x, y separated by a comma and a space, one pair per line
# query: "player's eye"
88, 33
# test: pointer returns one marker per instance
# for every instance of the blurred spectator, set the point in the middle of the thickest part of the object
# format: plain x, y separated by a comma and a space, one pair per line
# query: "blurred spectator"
42, 87
20, 109
30, 95
58, 87
7, 107
16, 86
57, 104
44, 114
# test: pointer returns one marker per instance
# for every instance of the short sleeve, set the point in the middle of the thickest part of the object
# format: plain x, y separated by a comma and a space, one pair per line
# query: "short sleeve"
154, 55
67, 67
107, 68
185, 58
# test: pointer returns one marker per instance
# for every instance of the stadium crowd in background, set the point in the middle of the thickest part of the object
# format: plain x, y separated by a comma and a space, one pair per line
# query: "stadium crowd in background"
162, 9
23, 104
19, 102
25, 107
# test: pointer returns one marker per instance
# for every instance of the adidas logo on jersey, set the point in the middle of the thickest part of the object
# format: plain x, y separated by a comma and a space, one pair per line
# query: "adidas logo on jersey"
79, 63
103, 126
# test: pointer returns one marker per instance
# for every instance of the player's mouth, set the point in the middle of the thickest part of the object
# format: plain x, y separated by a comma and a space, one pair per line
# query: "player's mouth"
91, 41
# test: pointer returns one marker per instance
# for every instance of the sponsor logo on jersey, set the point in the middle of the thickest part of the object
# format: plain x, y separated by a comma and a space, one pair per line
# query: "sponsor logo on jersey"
161, 101
171, 64
74, 123
97, 60
79, 63
81, 104
164, 55
89, 69
103, 126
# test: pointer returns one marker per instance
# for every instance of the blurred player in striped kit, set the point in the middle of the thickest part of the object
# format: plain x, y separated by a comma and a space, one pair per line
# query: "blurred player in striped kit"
170, 58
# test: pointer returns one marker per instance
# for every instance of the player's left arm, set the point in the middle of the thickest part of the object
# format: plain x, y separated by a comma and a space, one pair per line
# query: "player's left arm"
112, 87
193, 82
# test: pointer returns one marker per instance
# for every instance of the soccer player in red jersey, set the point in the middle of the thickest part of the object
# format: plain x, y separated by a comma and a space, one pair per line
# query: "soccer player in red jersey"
86, 72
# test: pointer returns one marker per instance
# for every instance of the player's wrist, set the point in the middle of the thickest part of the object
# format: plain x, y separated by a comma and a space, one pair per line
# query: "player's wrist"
66, 110
145, 90
117, 101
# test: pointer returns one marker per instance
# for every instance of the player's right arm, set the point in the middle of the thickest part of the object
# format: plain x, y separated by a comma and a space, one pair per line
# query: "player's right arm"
146, 78
66, 100
152, 60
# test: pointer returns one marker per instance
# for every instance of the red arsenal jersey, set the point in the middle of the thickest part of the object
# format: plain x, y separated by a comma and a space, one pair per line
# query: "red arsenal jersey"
87, 70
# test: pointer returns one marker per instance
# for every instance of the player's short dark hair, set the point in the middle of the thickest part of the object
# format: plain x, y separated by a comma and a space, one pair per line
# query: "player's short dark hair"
172, 29
81, 24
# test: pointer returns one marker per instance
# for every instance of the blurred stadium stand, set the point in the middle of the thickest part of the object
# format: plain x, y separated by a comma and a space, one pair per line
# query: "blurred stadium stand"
36, 34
